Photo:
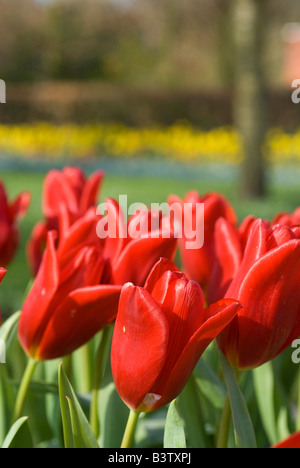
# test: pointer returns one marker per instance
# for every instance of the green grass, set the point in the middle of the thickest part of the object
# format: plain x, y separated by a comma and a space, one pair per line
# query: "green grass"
143, 189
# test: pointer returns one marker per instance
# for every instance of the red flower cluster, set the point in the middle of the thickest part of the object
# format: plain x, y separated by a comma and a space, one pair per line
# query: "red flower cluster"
241, 288
78, 284
257, 264
69, 190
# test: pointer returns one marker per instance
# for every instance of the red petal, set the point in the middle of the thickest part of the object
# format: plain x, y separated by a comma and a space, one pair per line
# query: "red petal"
292, 442
111, 229
157, 272
139, 345
217, 206
82, 233
36, 246
36, 312
279, 235
139, 257
228, 259
57, 190
90, 191
270, 293
80, 317
255, 249
221, 315
20, 205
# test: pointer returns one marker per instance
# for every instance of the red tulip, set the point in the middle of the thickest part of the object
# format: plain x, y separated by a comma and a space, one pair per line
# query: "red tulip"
68, 304
288, 219
160, 332
77, 289
230, 243
69, 189
266, 282
197, 263
10, 213
292, 442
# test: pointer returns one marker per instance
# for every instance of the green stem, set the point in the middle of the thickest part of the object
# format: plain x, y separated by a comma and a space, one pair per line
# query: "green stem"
101, 359
224, 428
298, 414
23, 389
130, 429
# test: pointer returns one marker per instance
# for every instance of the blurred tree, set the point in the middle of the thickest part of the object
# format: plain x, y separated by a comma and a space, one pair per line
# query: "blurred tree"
250, 100
225, 41
22, 40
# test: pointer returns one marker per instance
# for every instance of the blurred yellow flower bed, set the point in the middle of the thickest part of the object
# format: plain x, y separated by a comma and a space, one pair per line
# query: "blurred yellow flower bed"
180, 142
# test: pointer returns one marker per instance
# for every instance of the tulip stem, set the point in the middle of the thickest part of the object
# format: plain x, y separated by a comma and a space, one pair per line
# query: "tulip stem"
130, 429
23, 389
298, 414
224, 428
101, 359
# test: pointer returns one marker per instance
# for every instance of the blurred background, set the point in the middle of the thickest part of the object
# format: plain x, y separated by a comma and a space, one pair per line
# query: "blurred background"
149, 80
165, 95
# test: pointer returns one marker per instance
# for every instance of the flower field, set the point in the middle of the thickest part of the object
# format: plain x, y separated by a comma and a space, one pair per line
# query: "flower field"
179, 142
135, 340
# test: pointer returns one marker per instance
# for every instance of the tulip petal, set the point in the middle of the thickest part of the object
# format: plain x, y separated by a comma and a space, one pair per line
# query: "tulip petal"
220, 315
139, 345
228, 259
20, 205
36, 246
256, 247
217, 206
159, 269
138, 258
292, 442
111, 229
80, 317
57, 190
36, 311
90, 191
279, 235
80, 234
270, 320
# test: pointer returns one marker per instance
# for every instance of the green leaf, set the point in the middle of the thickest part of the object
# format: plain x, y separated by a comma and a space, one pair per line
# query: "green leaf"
73, 417
264, 387
210, 385
191, 411
243, 427
113, 416
174, 436
19, 435
8, 327
75, 423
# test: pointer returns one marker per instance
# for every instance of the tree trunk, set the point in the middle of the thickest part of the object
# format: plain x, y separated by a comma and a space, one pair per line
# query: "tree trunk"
250, 92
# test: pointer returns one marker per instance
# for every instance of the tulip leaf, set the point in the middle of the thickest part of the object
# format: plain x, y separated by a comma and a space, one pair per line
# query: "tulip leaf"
113, 416
76, 428
19, 435
243, 427
210, 385
192, 413
8, 327
174, 435
75, 423
264, 387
